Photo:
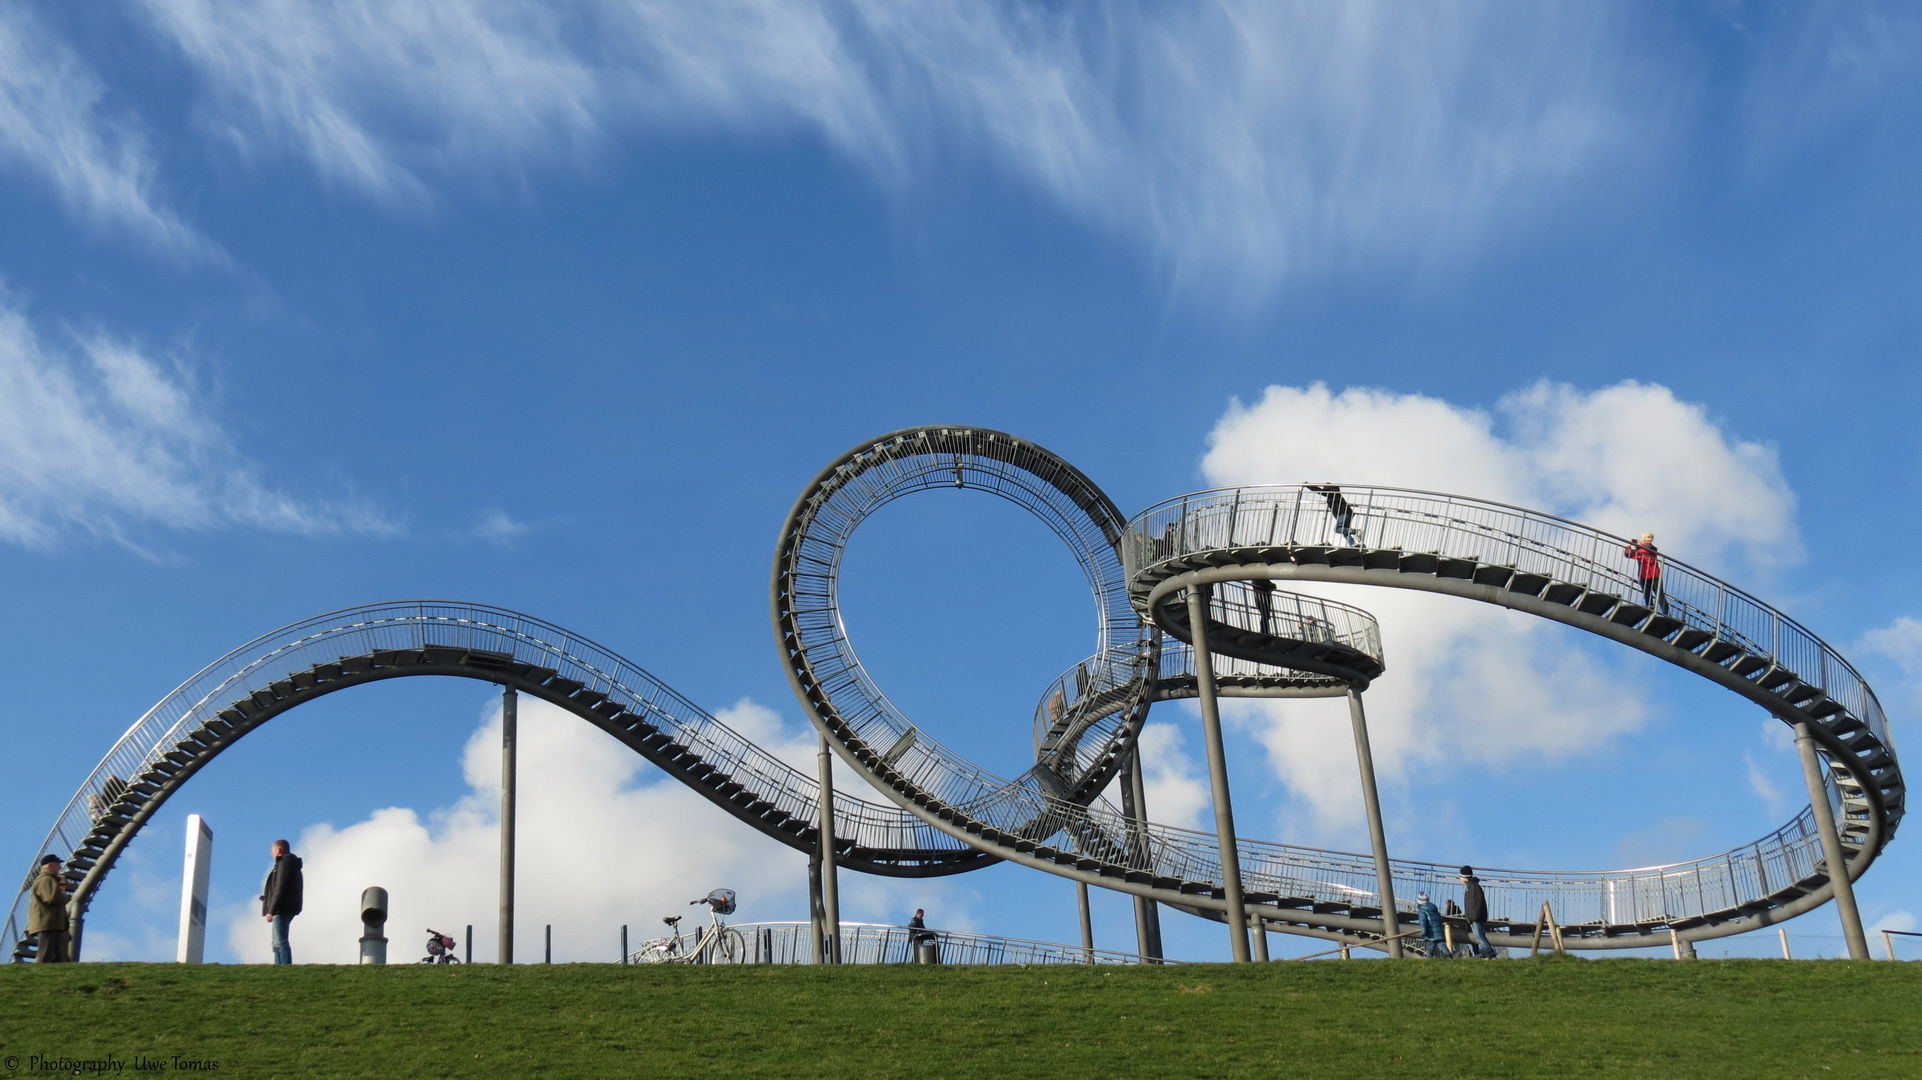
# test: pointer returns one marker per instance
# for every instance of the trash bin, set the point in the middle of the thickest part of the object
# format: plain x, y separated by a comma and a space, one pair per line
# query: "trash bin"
927, 952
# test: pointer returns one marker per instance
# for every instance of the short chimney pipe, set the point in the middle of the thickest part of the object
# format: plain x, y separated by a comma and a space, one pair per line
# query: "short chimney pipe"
373, 923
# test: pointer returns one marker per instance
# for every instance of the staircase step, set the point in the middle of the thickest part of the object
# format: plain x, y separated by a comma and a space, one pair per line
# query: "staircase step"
1630, 615
1720, 651
1661, 626
1597, 603
1692, 639
1562, 593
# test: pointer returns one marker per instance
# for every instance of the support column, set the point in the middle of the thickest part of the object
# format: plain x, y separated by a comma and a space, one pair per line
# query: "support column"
1260, 928
1087, 923
817, 913
1384, 877
830, 883
1831, 844
510, 747
1134, 804
1218, 778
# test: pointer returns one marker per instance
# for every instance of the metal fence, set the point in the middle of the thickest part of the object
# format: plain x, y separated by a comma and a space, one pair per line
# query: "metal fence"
879, 943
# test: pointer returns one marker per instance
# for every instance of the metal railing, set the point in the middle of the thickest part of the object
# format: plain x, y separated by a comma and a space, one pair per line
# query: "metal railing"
880, 943
1493, 534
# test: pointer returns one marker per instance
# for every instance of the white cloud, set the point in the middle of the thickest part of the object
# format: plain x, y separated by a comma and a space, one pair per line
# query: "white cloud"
51, 123
1467, 683
500, 530
1763, 785
605, 840
1176, 791
1899, 645
98, 437
1241, 141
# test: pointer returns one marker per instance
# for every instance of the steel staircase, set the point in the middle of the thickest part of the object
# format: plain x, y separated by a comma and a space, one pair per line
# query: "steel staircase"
951, 816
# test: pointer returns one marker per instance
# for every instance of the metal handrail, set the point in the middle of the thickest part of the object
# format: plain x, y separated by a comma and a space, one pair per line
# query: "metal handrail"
1413, 520
883, 943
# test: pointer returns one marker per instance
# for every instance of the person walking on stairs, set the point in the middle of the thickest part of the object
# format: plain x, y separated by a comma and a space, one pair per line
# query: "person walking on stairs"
1475, 911
280, 900
47, 914
1341, 508
1649, 566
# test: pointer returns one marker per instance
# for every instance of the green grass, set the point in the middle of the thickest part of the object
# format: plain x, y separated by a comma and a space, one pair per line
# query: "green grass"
1549, 1017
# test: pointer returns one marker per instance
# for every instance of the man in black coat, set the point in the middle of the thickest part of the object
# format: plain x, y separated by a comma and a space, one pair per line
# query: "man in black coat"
280, 901
1475, 911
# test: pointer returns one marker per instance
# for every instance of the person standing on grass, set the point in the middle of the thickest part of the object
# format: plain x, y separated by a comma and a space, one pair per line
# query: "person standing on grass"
280, 901
1648, 561
47, 914
1475, 911
1432, 934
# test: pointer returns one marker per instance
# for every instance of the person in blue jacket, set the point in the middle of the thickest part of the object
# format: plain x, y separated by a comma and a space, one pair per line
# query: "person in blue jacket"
1432, 934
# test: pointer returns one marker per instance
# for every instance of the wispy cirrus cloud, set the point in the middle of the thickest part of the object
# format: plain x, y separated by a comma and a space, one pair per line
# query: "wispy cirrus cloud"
98, 438
52, 125
1244, 142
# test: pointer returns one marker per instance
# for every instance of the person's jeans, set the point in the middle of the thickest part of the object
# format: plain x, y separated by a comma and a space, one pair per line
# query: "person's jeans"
283, 952
1482, 948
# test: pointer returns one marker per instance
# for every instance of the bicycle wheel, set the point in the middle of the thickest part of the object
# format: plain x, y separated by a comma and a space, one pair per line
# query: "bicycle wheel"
657, 951
731, 948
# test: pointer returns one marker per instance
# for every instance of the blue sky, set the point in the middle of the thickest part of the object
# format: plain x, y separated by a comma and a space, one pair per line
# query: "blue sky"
559, 306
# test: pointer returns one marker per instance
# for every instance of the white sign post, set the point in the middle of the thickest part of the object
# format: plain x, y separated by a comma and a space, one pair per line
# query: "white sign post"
193, 890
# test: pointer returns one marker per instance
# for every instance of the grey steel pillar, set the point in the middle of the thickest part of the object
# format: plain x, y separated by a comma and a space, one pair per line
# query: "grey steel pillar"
1134, 804
510, 744
1261, 940
1087, 923
1831, 844
1384, 877
817, 913
830, 885
1218, 778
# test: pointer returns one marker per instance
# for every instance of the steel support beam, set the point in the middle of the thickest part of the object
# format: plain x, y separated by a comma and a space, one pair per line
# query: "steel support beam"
1134, 804
1831, 843
1237, 909
510, 747
1087, 922
1377, 835
830, 883
817, 912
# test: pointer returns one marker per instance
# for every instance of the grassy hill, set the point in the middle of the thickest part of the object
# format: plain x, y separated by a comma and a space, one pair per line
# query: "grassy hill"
1547, 1017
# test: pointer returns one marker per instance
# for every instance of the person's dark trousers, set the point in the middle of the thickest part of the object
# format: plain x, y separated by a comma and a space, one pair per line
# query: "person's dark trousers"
283, 952
1653, 596
1482, 948
56, 947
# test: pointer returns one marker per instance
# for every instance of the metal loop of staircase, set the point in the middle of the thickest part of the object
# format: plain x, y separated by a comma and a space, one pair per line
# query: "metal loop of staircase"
953, 816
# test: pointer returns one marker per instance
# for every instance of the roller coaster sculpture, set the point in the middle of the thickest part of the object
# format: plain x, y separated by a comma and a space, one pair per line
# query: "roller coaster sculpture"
1210, 559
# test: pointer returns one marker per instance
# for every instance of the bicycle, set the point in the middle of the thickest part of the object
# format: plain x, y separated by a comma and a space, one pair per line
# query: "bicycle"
716, 943
440, 948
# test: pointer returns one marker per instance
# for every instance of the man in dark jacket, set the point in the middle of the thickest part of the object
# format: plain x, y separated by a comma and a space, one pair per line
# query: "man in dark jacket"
47, 914
1475, 911
280, 902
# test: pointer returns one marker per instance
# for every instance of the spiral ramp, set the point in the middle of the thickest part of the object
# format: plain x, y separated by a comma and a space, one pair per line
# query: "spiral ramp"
951, 816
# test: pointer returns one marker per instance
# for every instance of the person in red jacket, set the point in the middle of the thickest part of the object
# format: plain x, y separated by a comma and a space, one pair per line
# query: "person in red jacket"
1648, 560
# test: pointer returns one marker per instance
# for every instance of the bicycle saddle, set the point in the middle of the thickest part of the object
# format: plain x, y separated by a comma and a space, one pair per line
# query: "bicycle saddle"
672, 920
